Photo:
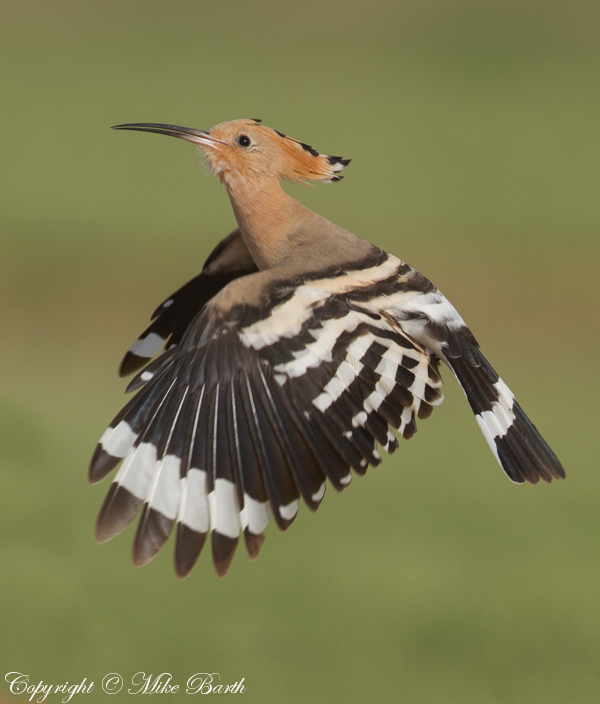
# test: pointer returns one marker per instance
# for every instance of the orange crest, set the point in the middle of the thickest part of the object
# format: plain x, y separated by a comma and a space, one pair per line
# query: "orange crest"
306, 164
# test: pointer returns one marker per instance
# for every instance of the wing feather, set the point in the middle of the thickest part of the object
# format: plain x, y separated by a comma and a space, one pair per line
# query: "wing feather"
248, 411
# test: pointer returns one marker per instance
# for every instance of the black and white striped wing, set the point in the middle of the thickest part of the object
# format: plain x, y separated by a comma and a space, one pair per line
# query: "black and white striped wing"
515, 442
228, 261
258, 408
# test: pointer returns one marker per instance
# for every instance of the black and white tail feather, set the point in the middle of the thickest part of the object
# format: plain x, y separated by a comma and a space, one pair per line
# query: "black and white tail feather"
252, 408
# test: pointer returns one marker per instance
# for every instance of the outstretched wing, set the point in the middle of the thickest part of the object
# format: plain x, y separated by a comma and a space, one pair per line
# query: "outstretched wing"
258, 405
267, 395
515, 442
229, 260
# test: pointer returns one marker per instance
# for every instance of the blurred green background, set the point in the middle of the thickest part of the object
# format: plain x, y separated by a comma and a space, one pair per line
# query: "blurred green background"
473, 130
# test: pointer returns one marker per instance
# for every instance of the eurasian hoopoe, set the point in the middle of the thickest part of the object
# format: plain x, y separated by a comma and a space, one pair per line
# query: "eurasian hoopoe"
297, 350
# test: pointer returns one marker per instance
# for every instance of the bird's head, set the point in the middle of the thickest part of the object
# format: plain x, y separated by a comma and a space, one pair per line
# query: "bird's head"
247, 149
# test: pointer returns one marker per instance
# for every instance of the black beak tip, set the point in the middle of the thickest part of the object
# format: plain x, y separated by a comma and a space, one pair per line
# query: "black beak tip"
132, 126
123, 127
187, 133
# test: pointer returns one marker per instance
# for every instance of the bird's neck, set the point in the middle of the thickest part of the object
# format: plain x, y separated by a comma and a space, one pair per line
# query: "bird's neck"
267, 217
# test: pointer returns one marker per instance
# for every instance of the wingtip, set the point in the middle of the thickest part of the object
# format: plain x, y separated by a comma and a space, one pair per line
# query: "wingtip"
533, 458
254, 543
188, 546
223, 551
153, 531
120, 507
101, 464
131, 363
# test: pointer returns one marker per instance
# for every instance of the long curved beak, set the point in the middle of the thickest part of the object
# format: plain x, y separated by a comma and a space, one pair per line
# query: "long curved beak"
200, 137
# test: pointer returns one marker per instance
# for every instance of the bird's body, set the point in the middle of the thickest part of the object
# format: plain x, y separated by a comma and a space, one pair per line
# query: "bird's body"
297, 350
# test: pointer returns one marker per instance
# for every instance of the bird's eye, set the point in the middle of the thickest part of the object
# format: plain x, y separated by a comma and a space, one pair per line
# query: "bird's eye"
243, 140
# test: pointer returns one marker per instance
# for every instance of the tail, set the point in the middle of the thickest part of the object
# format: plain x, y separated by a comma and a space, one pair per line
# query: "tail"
517, 445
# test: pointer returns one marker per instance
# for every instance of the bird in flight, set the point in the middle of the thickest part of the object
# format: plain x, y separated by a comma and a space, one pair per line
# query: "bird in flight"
297, 350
